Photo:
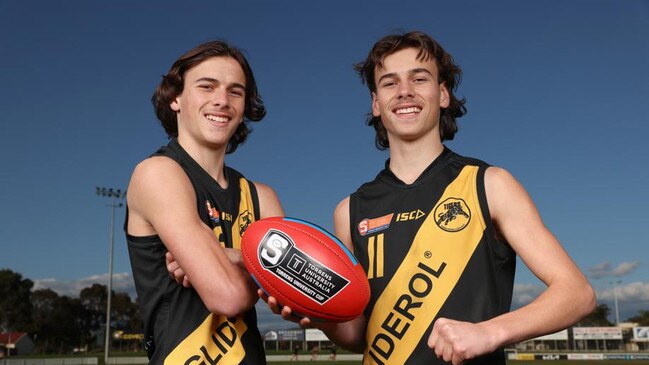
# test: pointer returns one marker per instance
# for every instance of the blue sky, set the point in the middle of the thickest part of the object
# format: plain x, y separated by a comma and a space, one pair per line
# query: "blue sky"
557, 94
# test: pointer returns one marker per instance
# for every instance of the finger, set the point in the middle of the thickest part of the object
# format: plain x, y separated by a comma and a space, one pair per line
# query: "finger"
432, 339
439, 347
186, 282
262, 295
448, 352
287, 312
457, 360
305, 322
273, 305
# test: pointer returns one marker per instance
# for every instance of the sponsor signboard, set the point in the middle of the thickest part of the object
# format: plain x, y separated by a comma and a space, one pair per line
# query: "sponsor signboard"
525, 356
597, 333
550, 357
585, 356
290, 335
557, 336
641, 334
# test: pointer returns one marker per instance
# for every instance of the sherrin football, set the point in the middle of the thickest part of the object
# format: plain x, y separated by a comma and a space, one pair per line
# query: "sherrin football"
305, 268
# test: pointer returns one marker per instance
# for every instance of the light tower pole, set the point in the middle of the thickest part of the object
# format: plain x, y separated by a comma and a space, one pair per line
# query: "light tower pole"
116, 196
617, 311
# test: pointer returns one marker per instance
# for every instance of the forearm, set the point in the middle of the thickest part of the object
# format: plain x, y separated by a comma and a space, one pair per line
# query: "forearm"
559, 307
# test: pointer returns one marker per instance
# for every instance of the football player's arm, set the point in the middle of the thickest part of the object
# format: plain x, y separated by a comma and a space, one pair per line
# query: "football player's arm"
161, 199
567, 298
349, 335
269, 206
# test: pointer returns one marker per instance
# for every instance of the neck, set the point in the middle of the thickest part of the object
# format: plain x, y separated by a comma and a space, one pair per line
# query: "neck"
409, 160
210, 158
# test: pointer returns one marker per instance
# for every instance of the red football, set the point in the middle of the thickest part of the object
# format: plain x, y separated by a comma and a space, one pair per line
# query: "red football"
305, 268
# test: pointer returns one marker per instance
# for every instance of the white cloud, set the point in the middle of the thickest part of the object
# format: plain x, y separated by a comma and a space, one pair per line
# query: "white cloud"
604, 270
122, 283
625, 268
525, 293
632, 292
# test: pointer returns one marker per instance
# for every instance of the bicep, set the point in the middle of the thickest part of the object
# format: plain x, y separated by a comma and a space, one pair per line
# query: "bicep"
519, 222
163, 196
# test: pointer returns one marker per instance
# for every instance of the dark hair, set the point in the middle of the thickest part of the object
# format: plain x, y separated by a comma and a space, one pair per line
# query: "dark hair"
448, 73
173, 82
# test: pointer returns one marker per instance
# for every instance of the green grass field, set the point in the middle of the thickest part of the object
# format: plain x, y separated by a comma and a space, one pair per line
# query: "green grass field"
305, 361
511, 362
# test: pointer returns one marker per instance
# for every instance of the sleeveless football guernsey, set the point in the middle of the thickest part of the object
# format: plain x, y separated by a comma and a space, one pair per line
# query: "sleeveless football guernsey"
178, 327
429, 250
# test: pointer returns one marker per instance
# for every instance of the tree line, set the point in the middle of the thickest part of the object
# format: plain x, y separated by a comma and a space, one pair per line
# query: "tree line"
59, 323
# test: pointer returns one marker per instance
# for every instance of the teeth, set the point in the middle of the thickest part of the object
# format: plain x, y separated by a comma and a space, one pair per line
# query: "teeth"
217, 119
408, 110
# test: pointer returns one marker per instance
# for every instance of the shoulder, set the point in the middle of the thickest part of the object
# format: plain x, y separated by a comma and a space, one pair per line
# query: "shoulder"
507, 198
342, 209
154, 169
269, 204
498, 180
157, 174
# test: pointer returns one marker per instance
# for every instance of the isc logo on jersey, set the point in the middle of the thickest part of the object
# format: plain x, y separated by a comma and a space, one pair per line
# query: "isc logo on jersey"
408, 216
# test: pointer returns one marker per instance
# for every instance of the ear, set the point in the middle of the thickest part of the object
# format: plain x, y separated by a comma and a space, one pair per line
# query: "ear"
375, 106
175, 104
444, 98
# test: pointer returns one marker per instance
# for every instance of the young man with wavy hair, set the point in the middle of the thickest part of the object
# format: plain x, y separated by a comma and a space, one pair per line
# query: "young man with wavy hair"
187, 211
438, 233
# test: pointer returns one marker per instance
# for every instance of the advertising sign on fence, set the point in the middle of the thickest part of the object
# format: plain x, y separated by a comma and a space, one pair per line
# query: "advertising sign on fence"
641, 334
597, 333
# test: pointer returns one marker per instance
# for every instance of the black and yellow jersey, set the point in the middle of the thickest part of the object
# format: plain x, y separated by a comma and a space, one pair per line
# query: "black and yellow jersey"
178, 327
429, 251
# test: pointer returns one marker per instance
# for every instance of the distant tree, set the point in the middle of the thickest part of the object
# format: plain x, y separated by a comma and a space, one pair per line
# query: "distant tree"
126, 317
15, 302
93, 300
599, 317
44, 302
125, 313
60, 322
642, 319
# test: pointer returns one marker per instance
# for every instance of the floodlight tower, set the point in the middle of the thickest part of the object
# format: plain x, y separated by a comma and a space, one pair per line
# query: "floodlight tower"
116, 195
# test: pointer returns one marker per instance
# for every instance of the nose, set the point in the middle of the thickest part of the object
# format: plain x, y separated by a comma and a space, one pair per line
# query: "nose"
220, 97
405, 90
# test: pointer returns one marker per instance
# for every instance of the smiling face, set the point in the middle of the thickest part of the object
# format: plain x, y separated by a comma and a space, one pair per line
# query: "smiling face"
212, 103
408, 96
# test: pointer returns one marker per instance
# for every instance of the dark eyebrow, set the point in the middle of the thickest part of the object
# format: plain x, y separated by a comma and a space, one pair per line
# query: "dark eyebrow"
410, 72
419, 70
386, 76
234, 85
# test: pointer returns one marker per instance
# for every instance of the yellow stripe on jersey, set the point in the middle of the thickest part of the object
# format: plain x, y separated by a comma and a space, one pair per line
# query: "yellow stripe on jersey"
371, 243
246, 213
428, 273
224, 345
